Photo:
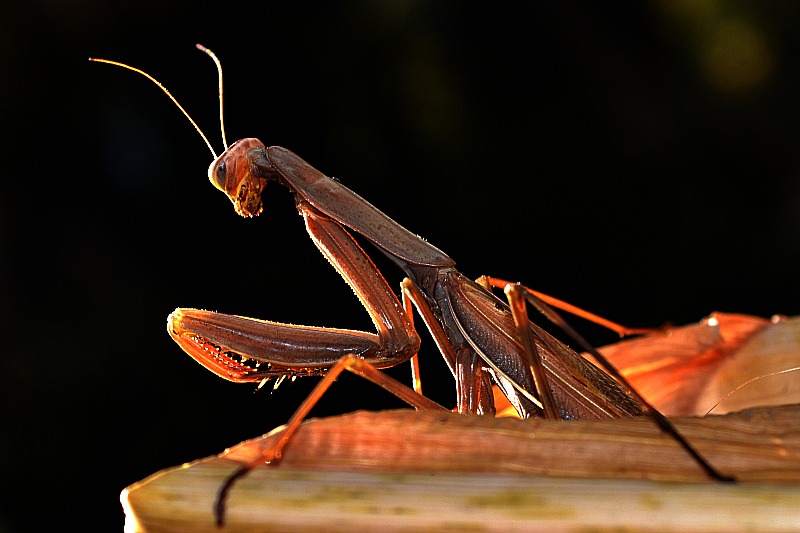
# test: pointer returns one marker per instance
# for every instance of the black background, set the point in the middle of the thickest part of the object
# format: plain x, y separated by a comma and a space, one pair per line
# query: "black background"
639, 160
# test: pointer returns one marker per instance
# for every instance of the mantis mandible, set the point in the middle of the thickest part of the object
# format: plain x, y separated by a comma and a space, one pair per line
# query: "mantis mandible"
483, 339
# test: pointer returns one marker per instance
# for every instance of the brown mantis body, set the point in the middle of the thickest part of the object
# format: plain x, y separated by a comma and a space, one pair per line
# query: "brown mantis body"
483, 339
474, 329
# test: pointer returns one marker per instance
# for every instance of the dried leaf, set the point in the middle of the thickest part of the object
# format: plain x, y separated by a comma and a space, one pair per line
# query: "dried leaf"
687, 370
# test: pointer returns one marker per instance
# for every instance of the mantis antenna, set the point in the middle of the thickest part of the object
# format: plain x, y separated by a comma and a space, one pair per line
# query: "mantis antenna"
219, 70
160, 86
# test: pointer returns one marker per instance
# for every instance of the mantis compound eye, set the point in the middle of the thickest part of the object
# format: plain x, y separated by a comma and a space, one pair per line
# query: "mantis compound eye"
217, 174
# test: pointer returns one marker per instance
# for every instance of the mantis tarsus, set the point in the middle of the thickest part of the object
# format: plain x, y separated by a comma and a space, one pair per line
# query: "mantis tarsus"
483, 339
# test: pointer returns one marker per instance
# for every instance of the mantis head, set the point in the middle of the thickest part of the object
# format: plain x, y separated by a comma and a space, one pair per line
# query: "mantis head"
235, 174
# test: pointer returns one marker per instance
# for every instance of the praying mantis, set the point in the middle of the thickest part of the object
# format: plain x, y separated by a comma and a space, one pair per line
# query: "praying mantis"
485, 340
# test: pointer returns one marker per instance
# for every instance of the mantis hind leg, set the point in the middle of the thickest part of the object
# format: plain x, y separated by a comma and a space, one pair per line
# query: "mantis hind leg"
659, 419
622, 330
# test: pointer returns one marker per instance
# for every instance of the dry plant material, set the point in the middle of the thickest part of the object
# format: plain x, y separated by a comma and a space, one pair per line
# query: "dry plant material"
391, 470
688, 370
